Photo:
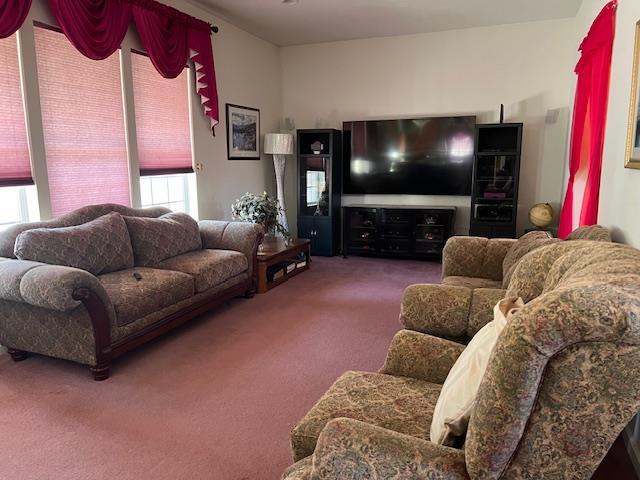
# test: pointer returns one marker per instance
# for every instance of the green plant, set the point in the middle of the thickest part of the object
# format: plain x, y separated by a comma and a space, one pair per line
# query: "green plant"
262, 209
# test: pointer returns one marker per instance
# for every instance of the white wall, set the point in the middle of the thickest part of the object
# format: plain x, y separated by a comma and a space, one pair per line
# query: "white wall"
472, 71
248, 73
620, 187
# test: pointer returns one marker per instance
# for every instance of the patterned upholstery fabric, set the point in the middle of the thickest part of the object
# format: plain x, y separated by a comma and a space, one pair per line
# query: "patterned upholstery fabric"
67, 335
422, 357
530, 275
481, 312
299, 471
439, 310
349, 449
239, 236
400, 404
581, 337
121, 331
208, 267
525, 244
562, 382
477, 257
46, 286
77, 217
471, 282
133, 299
593, 232
156, 239
99, 246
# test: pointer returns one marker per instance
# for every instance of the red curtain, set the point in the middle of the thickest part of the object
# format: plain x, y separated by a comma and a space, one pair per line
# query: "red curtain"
95, 27
589, 122
12, 15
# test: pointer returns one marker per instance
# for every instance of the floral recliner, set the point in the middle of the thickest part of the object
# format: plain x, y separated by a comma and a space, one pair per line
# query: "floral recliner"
562, 382
476, 273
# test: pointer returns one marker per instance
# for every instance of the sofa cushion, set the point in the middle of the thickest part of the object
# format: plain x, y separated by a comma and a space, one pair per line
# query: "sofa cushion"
156, 239
471, 282
525, 244
152, 290
209, 268
401, 404
458, 394
99, 246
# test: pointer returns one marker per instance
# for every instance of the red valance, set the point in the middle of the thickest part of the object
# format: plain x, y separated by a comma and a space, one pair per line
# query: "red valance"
164, 38
12, 16
96, 28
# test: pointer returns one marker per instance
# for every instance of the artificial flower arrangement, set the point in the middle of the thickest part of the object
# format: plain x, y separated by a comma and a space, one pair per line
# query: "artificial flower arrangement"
262, 209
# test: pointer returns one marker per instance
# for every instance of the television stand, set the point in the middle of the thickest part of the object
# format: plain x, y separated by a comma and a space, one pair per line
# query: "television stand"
396, 231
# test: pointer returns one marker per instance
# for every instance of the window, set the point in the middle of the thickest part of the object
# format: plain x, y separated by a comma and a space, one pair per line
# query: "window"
19, 204
18, 198
164, 138
83, 121
172, 191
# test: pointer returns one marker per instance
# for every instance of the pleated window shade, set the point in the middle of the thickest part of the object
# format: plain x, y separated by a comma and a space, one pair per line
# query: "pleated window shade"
162, 119
83, 120
15, 164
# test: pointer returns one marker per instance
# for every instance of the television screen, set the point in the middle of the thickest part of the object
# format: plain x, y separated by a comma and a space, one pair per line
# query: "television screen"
423, 156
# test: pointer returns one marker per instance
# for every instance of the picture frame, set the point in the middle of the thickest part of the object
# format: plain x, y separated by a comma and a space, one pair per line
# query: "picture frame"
632, 156
243, 132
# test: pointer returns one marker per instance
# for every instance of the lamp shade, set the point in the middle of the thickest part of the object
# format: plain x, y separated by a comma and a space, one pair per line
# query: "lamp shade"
278, 143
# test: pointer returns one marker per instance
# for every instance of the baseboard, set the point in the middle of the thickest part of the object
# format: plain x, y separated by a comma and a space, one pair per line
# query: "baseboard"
632, 442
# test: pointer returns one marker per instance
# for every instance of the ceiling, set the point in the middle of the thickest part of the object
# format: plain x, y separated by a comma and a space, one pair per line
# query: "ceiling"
314, 21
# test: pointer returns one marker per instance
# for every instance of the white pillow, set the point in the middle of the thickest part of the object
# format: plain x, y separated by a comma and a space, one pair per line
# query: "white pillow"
458, 394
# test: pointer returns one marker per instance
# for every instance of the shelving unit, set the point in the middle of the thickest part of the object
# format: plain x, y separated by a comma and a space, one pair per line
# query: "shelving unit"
396, 231
496, 172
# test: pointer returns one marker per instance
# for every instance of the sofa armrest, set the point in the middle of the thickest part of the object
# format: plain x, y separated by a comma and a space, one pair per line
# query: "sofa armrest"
242, 237
421, 356
53, 287
475, 257
352, 449
438, 310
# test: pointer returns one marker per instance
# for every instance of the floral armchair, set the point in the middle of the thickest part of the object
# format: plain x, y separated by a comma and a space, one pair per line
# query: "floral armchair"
562, 382
476, 273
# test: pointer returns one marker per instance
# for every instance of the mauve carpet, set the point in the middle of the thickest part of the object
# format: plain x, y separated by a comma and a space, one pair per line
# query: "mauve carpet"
216, 398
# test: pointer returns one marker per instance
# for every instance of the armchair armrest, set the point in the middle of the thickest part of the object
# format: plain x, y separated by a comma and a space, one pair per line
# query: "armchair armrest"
439, 310
242, 237
475, 257
352, 449
53, 287
421, 356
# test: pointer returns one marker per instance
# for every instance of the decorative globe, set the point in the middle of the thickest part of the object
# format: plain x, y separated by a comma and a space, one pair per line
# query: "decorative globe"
541, 215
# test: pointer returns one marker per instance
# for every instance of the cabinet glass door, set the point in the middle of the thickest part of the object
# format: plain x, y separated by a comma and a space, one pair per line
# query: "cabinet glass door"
495, 188
314, 186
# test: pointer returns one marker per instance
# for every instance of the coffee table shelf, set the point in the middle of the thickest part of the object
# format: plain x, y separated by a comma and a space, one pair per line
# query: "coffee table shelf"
273, 252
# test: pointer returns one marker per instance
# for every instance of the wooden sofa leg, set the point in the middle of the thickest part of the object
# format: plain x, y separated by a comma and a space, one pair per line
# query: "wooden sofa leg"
249, 293
100, 372
17, 355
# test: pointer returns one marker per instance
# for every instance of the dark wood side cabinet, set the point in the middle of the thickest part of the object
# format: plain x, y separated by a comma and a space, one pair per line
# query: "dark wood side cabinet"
496, 175
320, 189
396, 231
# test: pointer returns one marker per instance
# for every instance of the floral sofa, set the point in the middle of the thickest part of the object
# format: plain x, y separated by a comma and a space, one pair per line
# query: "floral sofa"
562, 382
99, 281
476, 273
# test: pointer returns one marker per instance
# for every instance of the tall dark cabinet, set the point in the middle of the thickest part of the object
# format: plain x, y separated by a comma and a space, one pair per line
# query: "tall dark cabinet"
496, 174
320, 189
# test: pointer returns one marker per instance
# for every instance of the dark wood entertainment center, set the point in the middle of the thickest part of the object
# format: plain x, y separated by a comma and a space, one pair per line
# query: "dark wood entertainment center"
396, 231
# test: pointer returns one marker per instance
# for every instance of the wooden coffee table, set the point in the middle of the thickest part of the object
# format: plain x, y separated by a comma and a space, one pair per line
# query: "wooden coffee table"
274, 252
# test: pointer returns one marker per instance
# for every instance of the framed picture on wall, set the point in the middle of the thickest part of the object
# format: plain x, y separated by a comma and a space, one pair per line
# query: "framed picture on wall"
632, 157
243, 133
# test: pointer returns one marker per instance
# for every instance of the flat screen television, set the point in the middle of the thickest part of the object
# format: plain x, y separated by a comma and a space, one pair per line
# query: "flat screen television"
422, 156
